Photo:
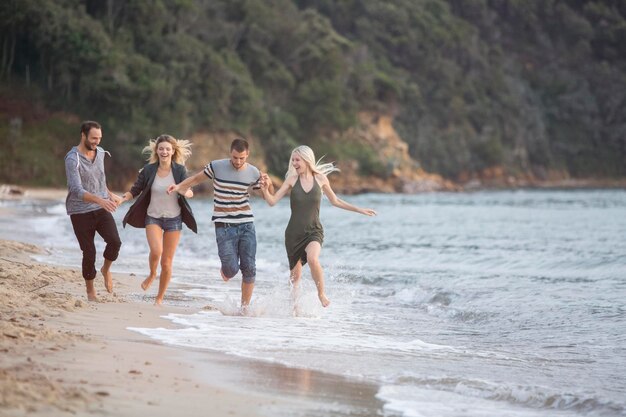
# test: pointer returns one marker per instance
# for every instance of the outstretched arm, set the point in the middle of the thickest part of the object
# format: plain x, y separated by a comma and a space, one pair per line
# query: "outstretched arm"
106, 203
136, 189
272, 199
338, 202
184, 186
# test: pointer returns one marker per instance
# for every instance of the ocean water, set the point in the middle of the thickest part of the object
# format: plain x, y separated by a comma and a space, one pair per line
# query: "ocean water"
508, 303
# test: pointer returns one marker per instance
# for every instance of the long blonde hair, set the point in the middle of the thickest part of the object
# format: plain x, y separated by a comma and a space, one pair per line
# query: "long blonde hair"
308, 157
181, 147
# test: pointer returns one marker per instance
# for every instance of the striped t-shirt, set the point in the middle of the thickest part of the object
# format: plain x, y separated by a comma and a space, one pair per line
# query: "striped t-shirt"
231, 199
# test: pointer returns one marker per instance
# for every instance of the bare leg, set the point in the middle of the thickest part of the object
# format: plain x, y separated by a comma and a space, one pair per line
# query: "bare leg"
170, 242
91, 290
246, 295
294, 279
313, 250
108, 277
154, 234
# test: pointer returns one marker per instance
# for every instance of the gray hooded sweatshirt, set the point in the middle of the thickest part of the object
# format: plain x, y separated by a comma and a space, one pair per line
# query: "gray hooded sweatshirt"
84, 175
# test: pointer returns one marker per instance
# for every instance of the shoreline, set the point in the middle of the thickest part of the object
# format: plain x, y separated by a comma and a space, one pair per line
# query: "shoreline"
66, 356
13, 192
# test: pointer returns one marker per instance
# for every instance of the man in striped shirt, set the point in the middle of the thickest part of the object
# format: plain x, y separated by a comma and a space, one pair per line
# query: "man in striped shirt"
232, 215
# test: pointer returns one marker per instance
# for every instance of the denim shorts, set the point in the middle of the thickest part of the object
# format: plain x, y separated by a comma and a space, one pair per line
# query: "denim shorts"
168, 224
236, 247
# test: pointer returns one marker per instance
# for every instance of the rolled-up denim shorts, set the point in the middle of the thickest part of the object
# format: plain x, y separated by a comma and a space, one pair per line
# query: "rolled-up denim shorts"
168, 224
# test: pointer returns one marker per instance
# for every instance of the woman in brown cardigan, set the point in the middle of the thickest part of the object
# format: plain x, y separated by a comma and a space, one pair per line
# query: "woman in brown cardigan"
161, 214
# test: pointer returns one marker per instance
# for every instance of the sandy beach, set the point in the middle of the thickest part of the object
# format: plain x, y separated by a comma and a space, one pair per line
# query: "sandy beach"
62, 355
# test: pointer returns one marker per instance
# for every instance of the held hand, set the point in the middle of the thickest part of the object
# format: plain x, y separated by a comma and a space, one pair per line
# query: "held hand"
367, 212
116, 199
122, 200
108, 205
265, 181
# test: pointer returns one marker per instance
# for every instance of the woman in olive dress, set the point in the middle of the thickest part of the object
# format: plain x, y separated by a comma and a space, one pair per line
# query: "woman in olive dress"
307, 180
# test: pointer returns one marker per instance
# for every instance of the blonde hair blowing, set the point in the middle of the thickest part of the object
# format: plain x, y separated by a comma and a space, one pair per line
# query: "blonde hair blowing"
308, 156
181, 147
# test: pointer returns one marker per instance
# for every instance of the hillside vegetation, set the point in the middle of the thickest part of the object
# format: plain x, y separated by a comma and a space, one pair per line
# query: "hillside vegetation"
532, 87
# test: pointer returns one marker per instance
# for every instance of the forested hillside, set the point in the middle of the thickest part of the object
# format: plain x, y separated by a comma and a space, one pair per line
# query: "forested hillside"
530, 86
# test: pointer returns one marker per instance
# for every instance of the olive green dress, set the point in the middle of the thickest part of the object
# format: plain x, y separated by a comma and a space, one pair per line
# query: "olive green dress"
304, 225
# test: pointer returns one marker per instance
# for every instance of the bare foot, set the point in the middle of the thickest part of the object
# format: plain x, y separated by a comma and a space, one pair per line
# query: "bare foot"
223, 276
158, 302
325, 301
91, 290
147, 282
108, 279
295, 311
244, 310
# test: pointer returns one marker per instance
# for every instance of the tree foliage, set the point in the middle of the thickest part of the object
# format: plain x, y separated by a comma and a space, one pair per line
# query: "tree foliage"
472, 84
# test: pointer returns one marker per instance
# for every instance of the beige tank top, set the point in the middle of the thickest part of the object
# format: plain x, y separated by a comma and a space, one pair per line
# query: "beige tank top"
163, 204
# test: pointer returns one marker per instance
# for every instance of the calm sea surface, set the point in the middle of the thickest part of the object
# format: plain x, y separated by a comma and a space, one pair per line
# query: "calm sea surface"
507, 303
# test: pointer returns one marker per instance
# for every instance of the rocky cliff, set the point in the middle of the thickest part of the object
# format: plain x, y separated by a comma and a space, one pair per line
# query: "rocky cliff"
401, 173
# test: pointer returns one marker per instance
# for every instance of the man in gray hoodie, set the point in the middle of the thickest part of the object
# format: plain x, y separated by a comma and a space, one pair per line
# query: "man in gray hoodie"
89, 204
